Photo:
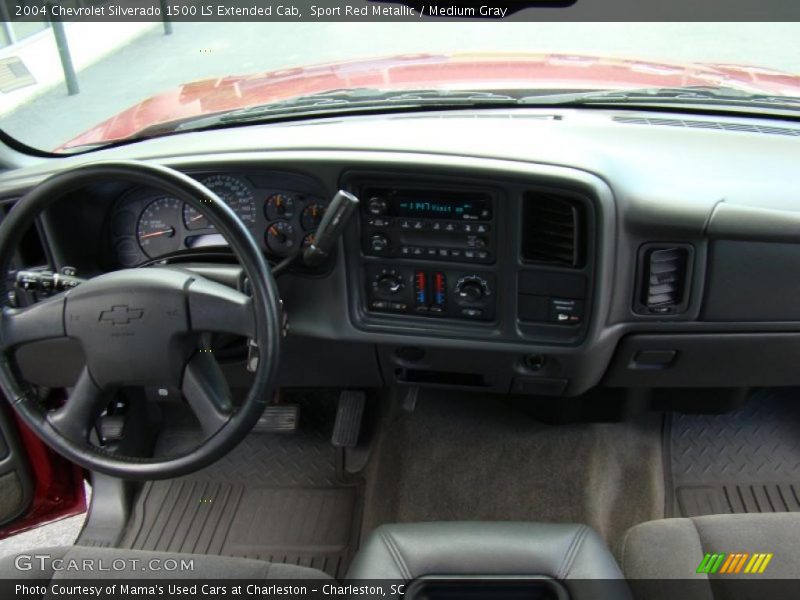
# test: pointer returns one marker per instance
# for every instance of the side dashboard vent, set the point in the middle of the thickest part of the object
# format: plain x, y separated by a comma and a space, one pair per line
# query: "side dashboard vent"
553, 229
665, 275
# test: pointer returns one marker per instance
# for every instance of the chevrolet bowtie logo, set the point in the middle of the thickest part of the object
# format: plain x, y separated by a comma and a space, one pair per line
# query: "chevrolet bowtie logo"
121, 314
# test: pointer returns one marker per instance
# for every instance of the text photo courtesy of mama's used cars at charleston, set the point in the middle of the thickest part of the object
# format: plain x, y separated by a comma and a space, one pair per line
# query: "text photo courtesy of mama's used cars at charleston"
392, 299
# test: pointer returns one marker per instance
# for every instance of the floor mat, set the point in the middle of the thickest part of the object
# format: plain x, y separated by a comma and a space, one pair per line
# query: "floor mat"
744, 461
276, 497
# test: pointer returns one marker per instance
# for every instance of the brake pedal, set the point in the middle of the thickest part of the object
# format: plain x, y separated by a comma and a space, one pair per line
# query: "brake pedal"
349, 413
278, 418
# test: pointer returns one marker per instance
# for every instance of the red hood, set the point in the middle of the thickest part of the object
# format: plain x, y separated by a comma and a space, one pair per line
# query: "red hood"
468, 71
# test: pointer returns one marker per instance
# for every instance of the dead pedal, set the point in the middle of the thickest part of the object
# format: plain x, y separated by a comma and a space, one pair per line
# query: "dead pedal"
349, 413
279, 418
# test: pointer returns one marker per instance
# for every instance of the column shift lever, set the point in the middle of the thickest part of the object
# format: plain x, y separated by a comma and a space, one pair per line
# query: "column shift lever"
330, 229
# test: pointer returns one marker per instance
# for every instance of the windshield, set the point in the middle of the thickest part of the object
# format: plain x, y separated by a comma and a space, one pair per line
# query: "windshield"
81, 85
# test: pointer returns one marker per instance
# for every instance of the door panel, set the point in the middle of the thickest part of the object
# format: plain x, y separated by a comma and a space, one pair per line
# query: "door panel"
36, 484
16, 483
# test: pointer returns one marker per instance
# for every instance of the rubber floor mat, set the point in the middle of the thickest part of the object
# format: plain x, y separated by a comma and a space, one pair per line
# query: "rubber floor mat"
744, 461
275, 497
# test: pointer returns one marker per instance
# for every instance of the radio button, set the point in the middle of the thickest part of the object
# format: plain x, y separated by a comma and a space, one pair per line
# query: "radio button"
379, 243
455, 253
482, 228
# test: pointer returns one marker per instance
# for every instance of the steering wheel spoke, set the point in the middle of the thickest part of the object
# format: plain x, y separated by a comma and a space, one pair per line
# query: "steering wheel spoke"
76, 418
218, 308
40, 321
207, 392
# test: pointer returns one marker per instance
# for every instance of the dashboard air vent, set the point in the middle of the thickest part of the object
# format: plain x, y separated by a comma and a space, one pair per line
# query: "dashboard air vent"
719, 125
665, 279
552, 229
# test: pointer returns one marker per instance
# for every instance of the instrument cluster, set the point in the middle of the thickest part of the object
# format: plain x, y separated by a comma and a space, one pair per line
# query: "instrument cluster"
147, 225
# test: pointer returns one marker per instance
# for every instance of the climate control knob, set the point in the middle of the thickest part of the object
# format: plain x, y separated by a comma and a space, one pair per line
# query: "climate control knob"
472, 290
379, 242
388, 282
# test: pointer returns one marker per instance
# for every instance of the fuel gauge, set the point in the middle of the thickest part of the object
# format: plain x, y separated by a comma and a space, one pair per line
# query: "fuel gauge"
279, 206
280, 238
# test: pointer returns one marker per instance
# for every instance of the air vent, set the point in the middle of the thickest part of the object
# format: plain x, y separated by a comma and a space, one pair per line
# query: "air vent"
719, 125
552, 230
665, 280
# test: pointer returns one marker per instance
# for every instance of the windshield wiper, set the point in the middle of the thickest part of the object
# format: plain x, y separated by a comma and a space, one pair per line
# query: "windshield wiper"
708, 95
359, 99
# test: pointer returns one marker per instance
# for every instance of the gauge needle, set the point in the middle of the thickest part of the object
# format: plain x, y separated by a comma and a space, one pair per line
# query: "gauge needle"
197, 218
167, 231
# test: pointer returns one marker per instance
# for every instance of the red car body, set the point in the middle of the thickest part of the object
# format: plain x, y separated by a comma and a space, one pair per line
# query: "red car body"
466, 71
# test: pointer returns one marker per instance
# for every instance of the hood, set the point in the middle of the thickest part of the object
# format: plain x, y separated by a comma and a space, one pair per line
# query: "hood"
465, 71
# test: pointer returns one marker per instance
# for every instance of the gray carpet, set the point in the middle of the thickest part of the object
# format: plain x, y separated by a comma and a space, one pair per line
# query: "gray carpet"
468, 458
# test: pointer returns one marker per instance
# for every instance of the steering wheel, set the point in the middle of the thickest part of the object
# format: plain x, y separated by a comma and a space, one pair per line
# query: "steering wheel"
143, 327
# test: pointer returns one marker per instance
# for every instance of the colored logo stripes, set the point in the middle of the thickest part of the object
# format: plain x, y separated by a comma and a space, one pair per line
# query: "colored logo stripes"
735, 562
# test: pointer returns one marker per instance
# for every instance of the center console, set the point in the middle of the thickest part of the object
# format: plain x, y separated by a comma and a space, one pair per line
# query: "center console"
429, 237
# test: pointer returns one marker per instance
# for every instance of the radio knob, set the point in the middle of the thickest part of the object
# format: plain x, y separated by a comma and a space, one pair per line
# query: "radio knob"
377, 206
379, 242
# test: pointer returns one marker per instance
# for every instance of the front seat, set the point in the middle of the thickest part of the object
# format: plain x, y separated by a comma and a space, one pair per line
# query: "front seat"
571, 554
83, 562
683, 557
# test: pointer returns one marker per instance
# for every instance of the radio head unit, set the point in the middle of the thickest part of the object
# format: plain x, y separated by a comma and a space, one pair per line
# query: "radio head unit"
428, 224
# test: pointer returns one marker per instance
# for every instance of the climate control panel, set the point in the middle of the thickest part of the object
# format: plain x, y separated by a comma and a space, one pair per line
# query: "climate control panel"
431, 292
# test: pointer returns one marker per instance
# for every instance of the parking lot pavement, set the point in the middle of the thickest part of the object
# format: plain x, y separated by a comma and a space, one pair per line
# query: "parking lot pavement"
155, 62
58, 533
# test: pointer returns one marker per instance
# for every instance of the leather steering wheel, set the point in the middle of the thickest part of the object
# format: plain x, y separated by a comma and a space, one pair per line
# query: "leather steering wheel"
143, 327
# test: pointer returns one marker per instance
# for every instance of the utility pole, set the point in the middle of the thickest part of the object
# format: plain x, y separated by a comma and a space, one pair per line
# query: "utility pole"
70, 78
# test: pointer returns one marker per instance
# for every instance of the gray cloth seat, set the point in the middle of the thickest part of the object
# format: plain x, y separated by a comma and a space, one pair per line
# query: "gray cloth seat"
83, 562
570, 553
673, 549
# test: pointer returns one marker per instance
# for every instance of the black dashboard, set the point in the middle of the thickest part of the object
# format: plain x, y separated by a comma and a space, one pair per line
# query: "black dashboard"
542, 254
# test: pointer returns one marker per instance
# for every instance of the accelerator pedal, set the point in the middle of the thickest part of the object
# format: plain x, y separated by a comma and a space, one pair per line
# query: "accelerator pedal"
347, 428
279, 418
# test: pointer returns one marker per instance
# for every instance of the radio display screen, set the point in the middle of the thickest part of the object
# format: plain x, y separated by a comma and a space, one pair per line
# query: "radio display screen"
441, 205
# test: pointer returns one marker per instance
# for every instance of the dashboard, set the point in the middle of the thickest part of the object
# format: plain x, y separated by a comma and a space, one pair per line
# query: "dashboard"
282, 212
530, 252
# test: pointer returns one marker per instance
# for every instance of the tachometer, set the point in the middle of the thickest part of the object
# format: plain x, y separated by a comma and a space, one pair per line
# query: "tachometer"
158, 226
236, 193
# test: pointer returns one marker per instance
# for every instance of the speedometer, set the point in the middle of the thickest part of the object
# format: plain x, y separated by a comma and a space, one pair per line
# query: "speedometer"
236, 193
